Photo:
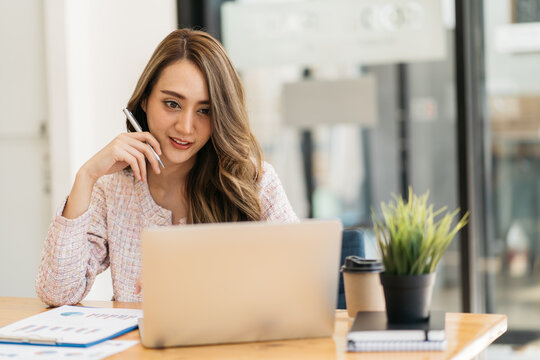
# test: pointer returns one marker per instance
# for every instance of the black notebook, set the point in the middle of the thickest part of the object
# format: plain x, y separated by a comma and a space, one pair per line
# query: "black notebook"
372, 332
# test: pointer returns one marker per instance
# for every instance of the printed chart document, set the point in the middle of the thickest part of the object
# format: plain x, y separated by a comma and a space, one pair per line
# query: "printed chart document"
34, 352
71, 326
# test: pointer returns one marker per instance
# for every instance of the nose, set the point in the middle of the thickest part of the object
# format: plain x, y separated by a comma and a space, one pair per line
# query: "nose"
184, 123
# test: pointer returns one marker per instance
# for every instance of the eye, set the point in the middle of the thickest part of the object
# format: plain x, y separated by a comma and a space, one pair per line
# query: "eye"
205, 111
171, 104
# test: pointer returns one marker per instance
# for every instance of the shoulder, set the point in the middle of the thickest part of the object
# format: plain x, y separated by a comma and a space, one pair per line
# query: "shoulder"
268, 175
274, 202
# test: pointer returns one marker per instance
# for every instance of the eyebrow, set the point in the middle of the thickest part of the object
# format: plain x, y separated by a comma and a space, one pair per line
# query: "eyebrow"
180, 96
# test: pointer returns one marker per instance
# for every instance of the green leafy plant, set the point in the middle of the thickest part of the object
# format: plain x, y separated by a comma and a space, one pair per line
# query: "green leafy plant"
411, 236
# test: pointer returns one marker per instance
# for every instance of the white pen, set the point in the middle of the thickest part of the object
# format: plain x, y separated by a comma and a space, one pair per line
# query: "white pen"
137, 128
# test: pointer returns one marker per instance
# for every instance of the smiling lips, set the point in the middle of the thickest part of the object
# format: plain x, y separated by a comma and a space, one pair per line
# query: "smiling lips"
180, 144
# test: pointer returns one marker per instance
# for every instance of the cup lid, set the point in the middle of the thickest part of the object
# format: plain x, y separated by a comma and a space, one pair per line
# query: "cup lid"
355, 263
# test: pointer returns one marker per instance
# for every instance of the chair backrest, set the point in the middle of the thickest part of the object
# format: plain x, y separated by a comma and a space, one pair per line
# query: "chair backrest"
352, 244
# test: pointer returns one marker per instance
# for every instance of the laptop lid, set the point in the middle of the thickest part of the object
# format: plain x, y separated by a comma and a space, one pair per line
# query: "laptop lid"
239, 282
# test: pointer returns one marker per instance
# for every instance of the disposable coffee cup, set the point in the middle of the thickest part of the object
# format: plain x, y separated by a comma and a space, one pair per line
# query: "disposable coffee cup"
363, 290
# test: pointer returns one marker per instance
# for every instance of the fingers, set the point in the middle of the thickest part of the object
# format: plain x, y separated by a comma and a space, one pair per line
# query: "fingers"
125, 155
138, 286
147, 150
123, 152
139, 160
148, 138
126, 149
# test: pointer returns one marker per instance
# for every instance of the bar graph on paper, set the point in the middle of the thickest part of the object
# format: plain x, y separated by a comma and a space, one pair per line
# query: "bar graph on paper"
46, 330
99, 351
73, 324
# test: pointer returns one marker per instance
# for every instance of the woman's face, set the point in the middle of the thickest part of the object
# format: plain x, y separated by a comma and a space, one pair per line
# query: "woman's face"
178, 112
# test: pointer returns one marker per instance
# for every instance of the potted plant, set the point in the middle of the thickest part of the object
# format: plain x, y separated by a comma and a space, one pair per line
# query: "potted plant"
412, 237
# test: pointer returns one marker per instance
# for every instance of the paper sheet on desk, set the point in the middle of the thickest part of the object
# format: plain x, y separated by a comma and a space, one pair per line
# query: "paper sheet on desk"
71, 326
33, 352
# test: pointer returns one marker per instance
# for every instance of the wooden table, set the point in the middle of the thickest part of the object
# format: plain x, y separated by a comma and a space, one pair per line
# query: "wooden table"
467, 334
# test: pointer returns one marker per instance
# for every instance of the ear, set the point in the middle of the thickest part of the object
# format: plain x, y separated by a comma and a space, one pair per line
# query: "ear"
143, 104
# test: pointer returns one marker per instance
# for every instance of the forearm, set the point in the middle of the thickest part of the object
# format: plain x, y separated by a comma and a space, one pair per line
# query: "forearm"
68, 268
75, 251
60, 282
61, 277
80, 196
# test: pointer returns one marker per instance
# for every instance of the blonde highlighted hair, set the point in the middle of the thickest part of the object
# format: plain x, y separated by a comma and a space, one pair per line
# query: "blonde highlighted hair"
222, 186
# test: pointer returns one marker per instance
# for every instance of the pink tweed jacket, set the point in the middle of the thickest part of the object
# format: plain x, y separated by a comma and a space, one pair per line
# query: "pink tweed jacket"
108, 234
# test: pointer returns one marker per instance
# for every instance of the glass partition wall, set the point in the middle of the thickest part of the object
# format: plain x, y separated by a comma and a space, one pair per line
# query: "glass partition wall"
512, 68
334, 168
343, 170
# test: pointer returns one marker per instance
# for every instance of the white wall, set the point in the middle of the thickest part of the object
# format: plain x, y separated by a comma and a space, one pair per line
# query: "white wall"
96, 50
24, 201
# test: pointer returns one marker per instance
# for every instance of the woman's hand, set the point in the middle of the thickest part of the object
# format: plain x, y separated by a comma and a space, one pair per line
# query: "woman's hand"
126, 149
138, 286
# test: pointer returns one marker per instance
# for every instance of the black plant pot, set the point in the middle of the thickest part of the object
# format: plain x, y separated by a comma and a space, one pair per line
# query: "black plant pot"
407, 297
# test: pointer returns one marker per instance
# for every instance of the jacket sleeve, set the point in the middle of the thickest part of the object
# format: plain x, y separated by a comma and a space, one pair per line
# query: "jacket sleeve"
274, 202
75, 252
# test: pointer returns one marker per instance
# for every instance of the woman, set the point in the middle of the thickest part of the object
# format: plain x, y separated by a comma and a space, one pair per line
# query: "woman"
190, 104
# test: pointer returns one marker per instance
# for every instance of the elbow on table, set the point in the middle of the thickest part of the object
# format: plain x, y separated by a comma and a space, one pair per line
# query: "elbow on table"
59, 295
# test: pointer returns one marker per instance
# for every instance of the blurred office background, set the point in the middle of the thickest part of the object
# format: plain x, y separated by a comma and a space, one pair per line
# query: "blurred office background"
352, 101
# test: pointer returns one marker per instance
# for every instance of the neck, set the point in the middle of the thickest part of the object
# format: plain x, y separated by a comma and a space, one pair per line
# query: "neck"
171, 177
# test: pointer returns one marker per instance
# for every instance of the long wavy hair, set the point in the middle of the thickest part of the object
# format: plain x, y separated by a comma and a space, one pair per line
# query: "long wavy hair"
223, 185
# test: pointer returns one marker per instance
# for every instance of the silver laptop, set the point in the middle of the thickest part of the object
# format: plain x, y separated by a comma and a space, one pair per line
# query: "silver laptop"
239, 282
